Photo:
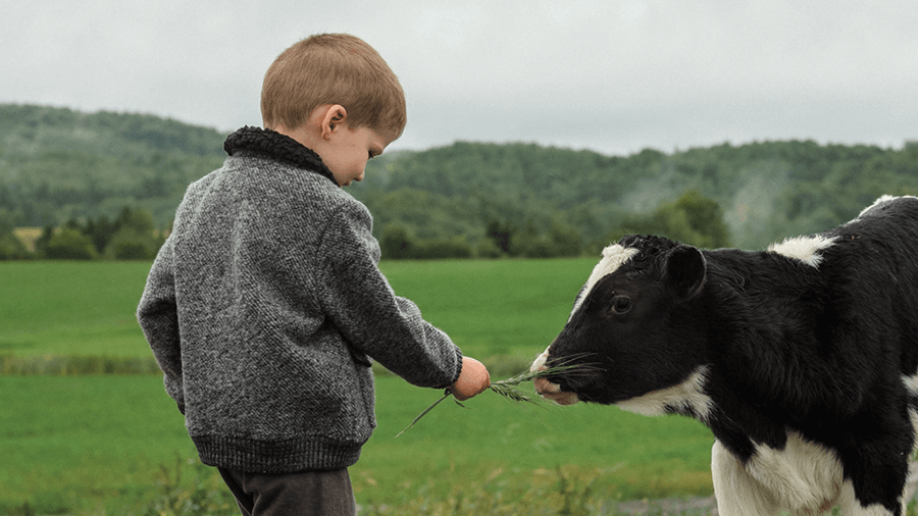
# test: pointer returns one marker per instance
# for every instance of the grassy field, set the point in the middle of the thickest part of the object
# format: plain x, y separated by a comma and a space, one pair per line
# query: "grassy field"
71, 308
488, 307
113, 444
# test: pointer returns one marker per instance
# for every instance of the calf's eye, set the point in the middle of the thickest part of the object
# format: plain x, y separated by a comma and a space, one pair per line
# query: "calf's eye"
621, 304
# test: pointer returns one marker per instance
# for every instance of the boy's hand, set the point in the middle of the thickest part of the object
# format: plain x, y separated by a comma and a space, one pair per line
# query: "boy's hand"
473, 380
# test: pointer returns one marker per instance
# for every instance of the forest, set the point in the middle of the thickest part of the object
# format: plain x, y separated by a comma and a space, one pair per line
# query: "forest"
72, 173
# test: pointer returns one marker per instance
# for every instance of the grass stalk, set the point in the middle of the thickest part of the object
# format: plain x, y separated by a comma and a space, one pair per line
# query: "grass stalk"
509, 390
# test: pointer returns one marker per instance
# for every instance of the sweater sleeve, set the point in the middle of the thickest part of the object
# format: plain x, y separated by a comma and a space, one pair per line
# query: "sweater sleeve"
362, 305
158, 317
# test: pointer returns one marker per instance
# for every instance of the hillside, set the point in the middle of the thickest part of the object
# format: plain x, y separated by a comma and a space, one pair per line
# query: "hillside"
57, 164
765, 190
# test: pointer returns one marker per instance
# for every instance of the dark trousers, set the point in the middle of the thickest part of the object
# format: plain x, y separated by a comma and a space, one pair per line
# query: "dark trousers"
310, 493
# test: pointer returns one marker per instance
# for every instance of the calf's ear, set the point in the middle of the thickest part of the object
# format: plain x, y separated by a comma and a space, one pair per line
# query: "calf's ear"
686, 270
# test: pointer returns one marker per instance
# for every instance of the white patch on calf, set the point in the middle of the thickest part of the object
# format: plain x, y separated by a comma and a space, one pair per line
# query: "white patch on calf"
539, 363
804, 248
911, 384
882, 200
613, 257
803, 478
849, 504
737, 493
687, 397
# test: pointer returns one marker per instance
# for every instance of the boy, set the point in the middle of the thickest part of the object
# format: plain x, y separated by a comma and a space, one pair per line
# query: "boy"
265, 303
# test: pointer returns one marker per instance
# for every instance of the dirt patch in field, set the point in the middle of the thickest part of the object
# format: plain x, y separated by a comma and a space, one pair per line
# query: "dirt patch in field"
669, 507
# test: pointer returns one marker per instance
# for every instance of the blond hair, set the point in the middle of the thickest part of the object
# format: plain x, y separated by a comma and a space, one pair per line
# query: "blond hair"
332, 69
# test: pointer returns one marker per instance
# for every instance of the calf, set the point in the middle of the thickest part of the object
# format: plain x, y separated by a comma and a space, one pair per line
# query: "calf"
801, 359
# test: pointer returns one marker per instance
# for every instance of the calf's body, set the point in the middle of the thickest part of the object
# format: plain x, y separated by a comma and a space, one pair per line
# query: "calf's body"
803, 359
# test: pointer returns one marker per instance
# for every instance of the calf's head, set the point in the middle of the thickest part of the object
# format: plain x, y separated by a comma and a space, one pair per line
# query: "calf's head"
636, 328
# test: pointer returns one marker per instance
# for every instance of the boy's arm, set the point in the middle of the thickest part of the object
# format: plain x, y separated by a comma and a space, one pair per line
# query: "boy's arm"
158, 318
363, 307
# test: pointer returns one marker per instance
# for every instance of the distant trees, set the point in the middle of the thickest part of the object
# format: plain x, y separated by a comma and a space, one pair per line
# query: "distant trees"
486, 200
765, 190
397, 243
691, 219
500, 234
11, 248
57, 164
131, 236
558, 241
68, 244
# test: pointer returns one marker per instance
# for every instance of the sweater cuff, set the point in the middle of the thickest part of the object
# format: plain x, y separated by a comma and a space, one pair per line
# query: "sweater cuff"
458, 366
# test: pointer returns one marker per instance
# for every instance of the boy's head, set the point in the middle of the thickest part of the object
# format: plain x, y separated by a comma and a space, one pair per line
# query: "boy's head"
333, 69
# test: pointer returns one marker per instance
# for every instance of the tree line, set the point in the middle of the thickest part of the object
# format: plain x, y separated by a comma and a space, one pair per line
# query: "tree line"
765, 190
692, 219
129, 236
60, 167
132, 235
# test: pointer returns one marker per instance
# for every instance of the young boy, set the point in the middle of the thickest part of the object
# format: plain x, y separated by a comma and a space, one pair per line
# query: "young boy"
265, 304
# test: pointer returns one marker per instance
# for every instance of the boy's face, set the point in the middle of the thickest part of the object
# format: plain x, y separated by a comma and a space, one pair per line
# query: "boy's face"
347, 151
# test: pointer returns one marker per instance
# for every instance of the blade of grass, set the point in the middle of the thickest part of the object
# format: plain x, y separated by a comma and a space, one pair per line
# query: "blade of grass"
507, 388
422, 414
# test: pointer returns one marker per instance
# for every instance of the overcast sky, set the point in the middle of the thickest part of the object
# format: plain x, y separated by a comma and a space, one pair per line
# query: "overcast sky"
615, 76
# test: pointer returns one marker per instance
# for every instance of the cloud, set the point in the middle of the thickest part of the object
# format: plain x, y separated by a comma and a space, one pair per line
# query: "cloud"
612, 76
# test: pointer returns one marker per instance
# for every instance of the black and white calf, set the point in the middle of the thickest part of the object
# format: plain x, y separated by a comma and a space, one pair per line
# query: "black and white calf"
801, 359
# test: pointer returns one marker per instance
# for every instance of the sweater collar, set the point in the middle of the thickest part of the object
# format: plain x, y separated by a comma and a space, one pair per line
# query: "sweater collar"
274, 145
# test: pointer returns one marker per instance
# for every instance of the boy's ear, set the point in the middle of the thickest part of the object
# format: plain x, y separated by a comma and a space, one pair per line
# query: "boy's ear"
334, 116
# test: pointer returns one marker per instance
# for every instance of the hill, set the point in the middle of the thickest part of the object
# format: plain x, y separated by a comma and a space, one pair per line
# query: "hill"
58, 164
765, 190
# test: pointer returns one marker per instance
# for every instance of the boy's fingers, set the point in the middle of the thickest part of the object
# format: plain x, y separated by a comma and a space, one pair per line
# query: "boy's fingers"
473, 380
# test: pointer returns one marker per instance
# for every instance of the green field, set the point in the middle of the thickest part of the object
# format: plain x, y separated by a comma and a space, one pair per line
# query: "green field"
113, 444
71, 308
488, 307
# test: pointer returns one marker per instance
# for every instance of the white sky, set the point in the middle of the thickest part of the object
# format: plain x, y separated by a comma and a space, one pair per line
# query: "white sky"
615, 76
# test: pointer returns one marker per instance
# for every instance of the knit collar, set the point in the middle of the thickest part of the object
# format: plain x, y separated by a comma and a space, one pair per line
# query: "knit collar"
274, 145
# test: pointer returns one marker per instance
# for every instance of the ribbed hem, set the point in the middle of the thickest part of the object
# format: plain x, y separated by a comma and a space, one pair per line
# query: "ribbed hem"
458, 366
286, 456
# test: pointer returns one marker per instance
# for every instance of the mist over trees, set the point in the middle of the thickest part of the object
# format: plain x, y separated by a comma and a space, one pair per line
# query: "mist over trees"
76, 173
518, 194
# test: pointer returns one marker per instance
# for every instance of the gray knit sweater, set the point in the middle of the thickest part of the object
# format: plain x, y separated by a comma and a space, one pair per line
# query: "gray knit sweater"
263, 307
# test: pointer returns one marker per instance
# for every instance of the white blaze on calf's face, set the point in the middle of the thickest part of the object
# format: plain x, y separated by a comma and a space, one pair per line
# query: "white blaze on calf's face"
613, 257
